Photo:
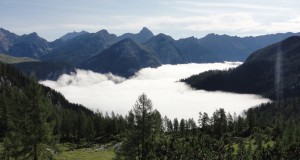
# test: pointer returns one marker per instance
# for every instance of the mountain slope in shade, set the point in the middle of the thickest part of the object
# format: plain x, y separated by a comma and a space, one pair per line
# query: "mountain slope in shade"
72, 35
143, 36
273, 72
30, 45
15, 79
7, 39
163, 47
45, 70
194, 52
81, 48
123, 58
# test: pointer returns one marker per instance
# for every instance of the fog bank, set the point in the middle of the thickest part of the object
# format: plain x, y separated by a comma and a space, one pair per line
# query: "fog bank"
108, 92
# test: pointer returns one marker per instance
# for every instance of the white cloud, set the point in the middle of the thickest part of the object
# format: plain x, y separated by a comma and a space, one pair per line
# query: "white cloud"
54, 18
291, 25
239, 6
170, 97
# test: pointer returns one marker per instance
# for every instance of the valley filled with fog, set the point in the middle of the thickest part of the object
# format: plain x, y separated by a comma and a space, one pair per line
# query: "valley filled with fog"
170, 97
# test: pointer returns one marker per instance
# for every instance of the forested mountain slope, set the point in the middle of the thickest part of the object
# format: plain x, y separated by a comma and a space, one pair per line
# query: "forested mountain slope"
34, 118
273, 72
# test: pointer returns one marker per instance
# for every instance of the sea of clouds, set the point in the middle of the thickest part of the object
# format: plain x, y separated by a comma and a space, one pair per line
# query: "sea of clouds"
108, 92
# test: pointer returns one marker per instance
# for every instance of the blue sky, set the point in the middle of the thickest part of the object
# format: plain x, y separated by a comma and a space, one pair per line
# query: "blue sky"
178, 18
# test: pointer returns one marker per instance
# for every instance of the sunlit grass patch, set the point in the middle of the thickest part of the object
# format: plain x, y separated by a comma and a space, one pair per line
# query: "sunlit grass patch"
100, 153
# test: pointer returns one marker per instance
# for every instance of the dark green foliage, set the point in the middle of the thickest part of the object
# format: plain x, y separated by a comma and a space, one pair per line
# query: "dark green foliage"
141, 140
272, 72
29, 132
34, 118
260, 134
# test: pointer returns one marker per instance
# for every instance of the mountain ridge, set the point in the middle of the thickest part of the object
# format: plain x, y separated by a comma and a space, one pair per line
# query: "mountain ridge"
143, 36
72, 35
81, 48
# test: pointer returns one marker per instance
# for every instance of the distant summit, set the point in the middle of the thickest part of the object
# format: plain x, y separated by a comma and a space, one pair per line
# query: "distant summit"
72, 35
143, 36
81, 48
146, 32
30, 45
7, 39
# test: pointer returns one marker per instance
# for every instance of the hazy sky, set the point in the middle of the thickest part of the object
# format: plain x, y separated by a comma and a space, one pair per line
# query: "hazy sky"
178, 18
170, 97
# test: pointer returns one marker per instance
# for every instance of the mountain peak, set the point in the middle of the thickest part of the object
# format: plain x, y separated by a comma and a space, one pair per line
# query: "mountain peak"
2, 29
143, 36
72, 35
162, 36
103, 31
145, 30
33, 34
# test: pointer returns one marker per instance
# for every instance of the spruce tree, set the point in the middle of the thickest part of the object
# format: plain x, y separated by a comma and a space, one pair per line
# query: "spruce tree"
30, 133
139, 140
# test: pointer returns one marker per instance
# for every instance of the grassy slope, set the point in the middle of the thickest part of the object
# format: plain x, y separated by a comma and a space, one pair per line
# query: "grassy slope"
1, 148
10, 59
84, 153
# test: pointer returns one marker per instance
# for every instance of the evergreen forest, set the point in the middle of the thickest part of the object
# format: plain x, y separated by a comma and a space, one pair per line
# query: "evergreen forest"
35, 121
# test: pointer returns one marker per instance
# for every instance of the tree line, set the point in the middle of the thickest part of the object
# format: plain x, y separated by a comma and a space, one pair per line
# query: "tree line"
268, 131
34, 119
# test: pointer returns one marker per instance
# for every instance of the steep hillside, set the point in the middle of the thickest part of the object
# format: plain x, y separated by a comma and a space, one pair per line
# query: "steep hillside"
163, 47
123, 58
45, 70
7, 39
194, 52
30, 45
81, 48
10, 77
273, 72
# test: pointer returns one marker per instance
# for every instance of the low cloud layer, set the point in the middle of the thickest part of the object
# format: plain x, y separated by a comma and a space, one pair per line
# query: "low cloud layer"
107, 92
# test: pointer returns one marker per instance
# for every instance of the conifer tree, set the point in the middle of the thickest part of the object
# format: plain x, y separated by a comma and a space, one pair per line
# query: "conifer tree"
31, 132
139, 141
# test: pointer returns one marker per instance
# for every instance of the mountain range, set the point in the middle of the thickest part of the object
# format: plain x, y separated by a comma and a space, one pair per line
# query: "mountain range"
272, 72
97, 51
